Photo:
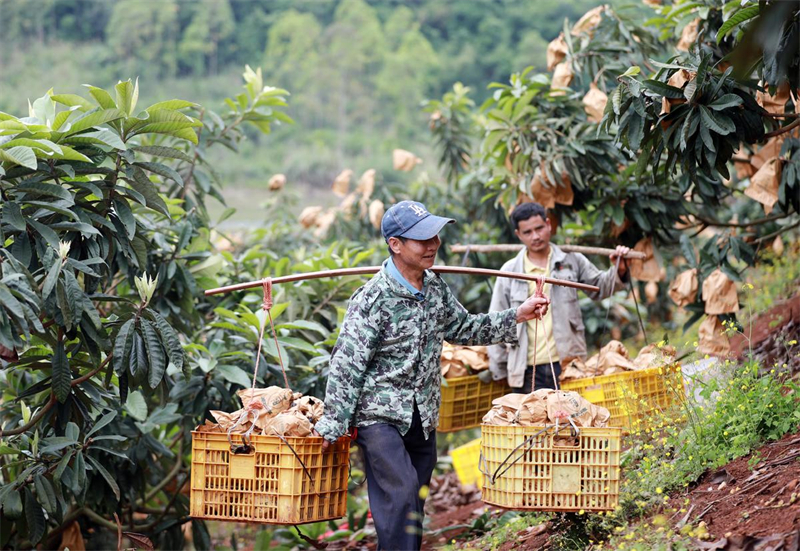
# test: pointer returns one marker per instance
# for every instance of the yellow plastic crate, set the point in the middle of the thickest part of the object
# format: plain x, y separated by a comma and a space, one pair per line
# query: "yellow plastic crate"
268, 485
465, 400
465, 462
633, 396
551, 473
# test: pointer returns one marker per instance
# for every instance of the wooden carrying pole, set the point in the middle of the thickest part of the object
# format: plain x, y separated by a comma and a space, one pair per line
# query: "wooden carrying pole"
375, 269
512, 248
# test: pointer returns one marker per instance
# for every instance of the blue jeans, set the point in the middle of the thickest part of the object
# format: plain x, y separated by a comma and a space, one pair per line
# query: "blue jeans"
397, 466
543, 378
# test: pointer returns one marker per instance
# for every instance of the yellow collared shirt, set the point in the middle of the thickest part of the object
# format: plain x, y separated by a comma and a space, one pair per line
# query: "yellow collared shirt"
545, 337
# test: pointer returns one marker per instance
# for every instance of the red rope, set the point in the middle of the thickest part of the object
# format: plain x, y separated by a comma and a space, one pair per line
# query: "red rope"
266, 305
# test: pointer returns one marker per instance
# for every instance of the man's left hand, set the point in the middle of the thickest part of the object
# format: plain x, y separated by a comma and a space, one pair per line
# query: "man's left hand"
533, 308
620, 252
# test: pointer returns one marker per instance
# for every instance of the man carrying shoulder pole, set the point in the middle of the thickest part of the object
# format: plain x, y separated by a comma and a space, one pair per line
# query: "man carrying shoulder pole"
560, 333
384, 374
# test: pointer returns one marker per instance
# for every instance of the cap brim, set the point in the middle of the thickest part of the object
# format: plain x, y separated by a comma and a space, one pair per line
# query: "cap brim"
428, 227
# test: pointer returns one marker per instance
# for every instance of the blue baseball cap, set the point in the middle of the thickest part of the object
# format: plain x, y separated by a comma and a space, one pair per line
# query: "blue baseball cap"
410, 219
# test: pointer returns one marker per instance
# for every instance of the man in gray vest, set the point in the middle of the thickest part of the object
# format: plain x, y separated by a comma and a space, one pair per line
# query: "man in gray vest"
559, 335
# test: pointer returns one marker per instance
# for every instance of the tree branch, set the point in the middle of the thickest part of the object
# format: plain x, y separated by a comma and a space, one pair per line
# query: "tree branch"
784, 130
94, 372
35, 419
49, 405
777, 233
757, 222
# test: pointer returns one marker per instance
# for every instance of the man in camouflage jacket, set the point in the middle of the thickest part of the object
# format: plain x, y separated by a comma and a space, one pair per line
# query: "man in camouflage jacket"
384, 370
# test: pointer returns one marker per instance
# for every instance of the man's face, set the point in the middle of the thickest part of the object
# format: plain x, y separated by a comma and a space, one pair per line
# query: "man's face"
415, 254
534, 234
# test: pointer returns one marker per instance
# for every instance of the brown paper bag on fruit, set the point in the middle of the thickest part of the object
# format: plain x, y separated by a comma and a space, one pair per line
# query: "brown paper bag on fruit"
653, 356
288, 423
688, 36
562, 77
774, 104
765, 183
647, 269
556, 52
404, 160
719, 293
272, 400
376, 212
713, 339
277, 182
683, 290
612, 358
589, 21
594, 103
341, 184
562, 406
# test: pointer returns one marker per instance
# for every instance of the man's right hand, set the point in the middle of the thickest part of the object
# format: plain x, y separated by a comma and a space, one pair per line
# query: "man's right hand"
325, 444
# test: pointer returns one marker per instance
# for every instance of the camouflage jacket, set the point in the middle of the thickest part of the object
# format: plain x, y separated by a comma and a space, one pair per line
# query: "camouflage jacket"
388, 353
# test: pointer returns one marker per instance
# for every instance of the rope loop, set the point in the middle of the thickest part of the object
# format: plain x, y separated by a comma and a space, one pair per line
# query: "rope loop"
266, 285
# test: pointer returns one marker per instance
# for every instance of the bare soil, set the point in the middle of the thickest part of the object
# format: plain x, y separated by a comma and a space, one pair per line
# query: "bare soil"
748, 507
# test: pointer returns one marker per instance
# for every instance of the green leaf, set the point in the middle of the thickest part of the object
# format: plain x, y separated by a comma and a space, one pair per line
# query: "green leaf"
34, 515
72, 100
51, 279
143, 185
62, 465
739, 17
173, 105
105, 474
69, 154
102, 97
170, 339
136, 406
728, 100
304, 324
92, 119
161, 170
102, 136
62, 374
233, 374
12, 215
11, 503
105, 420
663, 89
631, 72
19, 155
79, 472
300, 344
705, 135
45, 189
162, 151
718, 123
49, 235
46, 494
122, 346
138, 355
127, 94
155, 354
125, 214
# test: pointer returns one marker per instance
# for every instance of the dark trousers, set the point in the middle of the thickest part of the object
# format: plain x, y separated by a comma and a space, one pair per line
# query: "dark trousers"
543, 378
397, 467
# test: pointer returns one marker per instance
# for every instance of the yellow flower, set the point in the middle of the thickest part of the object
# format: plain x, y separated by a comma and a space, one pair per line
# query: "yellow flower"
659, 490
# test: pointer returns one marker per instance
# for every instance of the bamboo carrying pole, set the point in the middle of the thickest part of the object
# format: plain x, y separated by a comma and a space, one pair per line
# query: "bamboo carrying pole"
512, 248
375, 269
